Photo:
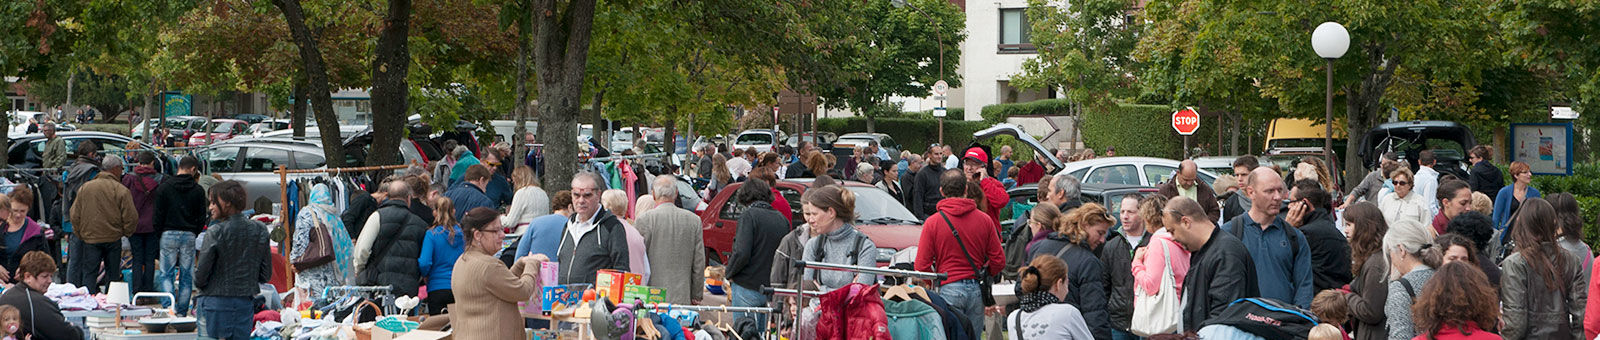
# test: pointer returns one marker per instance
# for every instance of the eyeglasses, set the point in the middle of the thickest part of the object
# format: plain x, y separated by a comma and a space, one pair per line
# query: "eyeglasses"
1399, 183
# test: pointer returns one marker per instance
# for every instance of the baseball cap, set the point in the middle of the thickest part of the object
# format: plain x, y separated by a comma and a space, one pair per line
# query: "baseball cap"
977, 154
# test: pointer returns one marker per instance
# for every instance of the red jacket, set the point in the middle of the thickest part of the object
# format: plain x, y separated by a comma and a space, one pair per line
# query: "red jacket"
782, 205
1030, 173
994, 194
852, 312
1448, 332
939, 252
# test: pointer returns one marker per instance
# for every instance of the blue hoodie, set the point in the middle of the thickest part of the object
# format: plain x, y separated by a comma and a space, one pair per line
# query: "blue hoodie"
439, 254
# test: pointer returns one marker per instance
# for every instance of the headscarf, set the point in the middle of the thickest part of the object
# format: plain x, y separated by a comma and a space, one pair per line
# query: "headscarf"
320, 208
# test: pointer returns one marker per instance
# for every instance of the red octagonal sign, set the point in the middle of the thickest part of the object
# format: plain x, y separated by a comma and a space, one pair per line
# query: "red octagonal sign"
1186, 121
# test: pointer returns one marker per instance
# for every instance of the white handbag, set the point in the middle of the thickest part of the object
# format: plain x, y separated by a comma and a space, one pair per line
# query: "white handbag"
1159, 313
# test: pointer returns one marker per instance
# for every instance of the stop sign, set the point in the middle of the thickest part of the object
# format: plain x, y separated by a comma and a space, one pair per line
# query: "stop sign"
1186, 121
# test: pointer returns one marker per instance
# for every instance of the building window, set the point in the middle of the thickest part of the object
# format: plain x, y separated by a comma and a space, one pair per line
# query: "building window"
1014, 31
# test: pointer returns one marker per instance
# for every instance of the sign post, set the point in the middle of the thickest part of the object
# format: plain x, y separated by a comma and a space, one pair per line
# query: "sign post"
1186, 122
940, 88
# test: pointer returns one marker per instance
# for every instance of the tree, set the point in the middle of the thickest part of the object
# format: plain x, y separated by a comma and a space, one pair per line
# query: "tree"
896, 52
1556, 38
108, 94
1085, 49
389, 91
314, 68
560, 53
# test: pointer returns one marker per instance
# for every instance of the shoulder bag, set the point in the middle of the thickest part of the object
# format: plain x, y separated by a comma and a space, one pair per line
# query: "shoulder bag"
984, 287
319, 247
1159, 313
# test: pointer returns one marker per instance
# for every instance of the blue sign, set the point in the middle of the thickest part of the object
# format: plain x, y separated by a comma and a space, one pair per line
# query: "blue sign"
176, 104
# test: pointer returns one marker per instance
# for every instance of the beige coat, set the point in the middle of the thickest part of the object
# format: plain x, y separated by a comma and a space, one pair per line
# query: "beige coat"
104, 210
676, 249
486, 297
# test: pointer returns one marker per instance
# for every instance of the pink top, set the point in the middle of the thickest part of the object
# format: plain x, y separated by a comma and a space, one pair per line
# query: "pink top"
1147, 273
1591, 309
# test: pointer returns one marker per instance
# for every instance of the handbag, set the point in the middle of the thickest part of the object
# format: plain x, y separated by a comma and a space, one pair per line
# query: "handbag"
319, 248
984, 288
1159, 313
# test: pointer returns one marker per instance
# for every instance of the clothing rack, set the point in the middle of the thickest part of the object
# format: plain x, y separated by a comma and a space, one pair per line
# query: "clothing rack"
652, 306
5, 170
283, 195
386, 294
791, 292
612, 158
871, 270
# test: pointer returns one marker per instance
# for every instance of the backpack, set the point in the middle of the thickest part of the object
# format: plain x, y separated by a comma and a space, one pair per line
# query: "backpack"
1267, 318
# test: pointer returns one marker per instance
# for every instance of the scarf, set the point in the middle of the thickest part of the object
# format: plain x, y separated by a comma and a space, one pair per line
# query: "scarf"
1033, 301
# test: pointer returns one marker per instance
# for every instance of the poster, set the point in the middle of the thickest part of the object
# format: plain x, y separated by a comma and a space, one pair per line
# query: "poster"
175, 104
1546, 147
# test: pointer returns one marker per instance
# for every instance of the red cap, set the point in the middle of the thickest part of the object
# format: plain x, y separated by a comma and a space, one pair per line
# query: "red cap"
977, 154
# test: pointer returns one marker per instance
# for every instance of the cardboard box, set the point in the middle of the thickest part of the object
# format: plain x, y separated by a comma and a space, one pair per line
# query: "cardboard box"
381, 334
611, 284
646, 293
560, 297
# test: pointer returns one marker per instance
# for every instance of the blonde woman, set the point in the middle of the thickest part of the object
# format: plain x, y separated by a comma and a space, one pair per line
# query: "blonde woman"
1077, 235
529, 202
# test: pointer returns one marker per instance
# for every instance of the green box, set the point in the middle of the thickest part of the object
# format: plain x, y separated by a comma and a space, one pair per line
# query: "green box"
646, 293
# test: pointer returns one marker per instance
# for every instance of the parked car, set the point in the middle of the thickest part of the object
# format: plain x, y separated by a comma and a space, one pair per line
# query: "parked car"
180, 127
1222, 165
253, 162
220, 129
1145, 171
878, 215
760, 139
252, 118
1108, 195
27, 151
1286, 159
825, 143
1016, 132
263, 127
312, 132
424, 145
846, 144
20, 125
1449, 141
701, 141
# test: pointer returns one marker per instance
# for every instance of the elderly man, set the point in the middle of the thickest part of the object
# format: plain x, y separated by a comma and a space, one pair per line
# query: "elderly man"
1279, 251
673, 244
102, 215
1062, 191
594, 239
1187, 183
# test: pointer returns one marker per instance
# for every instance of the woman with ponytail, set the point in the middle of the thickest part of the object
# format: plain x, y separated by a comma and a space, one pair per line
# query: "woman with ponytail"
1542, 286
1042, 315
1412, 259
441, 247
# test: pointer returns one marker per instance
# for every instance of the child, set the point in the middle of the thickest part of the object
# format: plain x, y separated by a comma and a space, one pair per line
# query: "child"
1331, 307
1326, 331
10, 322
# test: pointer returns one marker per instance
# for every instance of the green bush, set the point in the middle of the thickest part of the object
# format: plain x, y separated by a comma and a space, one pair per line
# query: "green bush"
1141, 130
1045, 107
913, 134
1583, 181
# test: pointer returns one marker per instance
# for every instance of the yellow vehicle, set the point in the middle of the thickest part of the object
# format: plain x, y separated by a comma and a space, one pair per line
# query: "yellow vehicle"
1296, 133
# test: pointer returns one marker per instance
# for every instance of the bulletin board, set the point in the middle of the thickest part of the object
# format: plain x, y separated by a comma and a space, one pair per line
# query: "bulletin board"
1546, 147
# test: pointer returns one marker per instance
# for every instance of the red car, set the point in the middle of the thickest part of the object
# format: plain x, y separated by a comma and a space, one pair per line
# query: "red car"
878, 214
221, 130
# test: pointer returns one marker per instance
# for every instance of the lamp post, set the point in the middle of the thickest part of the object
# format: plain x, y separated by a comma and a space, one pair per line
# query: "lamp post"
938, 34
1330, 40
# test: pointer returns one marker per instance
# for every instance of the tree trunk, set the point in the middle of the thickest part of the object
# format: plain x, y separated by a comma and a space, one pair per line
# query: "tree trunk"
669, 140
1364, 109
871, 123
389, 90
316, 74
519, 144
602, 127
297, 112
1233, 142
561, 52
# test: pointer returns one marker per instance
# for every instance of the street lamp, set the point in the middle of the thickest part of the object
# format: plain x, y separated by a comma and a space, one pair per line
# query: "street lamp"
939, 34
1330, 40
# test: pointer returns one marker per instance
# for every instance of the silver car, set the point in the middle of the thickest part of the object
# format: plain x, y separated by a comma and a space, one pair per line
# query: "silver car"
1143, 171
254, 163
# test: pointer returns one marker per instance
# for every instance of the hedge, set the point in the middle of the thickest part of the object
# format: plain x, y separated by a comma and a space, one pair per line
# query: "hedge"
913, 134
1044, 107
1583, 187
1141, 130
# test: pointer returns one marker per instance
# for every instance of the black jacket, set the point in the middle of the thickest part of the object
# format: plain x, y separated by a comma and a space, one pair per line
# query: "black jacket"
356, 212
908, 184
234, 259
760, 231
1485, 178
1016, 242
796, 170
604, 248
32, 240
1085, 281
180, 205
1234, 204
423, 211
1117, 255
394, 254
1219, 273
41, 318
925, 191
1330, 251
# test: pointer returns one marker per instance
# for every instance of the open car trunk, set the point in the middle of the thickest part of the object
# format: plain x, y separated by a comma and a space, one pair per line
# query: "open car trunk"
1449, 141
1016, 132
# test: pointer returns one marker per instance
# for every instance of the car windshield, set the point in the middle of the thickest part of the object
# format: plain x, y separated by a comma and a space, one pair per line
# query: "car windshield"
871, 207
754, 139
222, 127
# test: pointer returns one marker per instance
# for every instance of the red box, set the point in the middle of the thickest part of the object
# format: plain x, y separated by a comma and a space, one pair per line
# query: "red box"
611, 283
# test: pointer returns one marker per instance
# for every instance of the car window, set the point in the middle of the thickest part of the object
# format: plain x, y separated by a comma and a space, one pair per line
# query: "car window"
1079, 174
754, 139
731, 211
873, 203
793, 196
221, 159
1114, 174
264, 159
1154, 174
306, 160
888, 143
238, 128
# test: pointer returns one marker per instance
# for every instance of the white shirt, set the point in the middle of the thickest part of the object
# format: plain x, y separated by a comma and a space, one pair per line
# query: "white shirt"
739, 167
951, 162
1396, 209
1428, 186
578, 228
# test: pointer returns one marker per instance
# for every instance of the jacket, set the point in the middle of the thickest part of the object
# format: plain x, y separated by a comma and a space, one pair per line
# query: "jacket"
1219, 273
1397, 307
80, 173
234, 260
423, 211
104, 210
790, 249
1369, 187
1019, 237
393, 258
913, 320
41, 317
1055, 321
32, 240
925, 191
528, 203
1085, 281
995, 197
440, 250
676, 248
1368, 294
1591, 309
1449, 332
845, 245
181, 205
1506, 204
142, 185
1412, 207
605, 247
1203, 195
1234, 204
499, 190
1485, 178
1030, 173
468, 196
487, 297
55, 152
938, 250
1117, 255
908, 184
1147, 275
1532, 311
360, 206
852, 312
796, 170
1330, 251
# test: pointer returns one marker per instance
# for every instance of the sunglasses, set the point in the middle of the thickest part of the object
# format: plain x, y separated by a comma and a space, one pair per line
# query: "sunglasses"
1399, 183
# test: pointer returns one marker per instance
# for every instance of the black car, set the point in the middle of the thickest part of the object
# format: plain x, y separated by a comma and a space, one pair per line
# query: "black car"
1449, 141
27, 151
1108, 195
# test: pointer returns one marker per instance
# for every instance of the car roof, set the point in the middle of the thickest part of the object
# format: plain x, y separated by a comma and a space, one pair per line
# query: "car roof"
863, 135
227, 120
807, 182
74, 134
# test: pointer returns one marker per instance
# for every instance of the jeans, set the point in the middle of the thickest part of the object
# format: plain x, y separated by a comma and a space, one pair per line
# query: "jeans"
1123, 335
963, 297
742, 297
146, 248
177, 263
225, 317
93, 258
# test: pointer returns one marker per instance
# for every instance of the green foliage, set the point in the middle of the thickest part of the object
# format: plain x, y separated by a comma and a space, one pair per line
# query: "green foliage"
1045, 107
1084, 48
913, 134
1141, 130
1020, 152
950, 113
109, 94
892, 50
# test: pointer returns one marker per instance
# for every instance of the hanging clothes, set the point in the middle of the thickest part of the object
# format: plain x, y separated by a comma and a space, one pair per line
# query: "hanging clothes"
852, 312
913, 320
628, 178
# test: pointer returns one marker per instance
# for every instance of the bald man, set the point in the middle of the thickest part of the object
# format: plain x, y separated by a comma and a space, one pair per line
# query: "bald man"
1220, 270
1186, 182
1282, 257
